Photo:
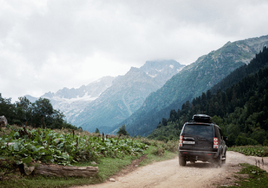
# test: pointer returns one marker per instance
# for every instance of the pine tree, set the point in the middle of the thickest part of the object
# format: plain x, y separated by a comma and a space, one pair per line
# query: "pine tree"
97, 130
122, 130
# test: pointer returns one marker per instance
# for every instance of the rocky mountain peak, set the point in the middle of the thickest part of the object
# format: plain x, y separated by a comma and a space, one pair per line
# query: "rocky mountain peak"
161, 70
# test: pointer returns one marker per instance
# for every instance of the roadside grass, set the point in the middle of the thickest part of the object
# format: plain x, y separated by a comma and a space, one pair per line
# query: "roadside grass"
260, 151
110, 166
157, 151
47, 182
153, 155
256, 177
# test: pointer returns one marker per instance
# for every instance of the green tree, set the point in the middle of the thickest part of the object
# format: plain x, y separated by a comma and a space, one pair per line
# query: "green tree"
164, 121
97, 130
23, 111
217, 119
259, 135
7, 109
122, 130
42, 108
243, 141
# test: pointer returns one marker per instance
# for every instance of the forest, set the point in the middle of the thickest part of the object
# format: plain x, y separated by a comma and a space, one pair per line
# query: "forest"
37, 114
238, 104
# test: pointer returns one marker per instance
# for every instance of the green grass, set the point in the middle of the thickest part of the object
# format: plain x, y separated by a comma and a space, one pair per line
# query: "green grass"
257, 177
110, 166
46, 182
260, 151
152, 157
111, 155
107, 168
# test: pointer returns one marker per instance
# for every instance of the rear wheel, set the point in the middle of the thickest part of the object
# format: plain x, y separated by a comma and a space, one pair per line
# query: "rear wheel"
224, 161
182, 161
218, 162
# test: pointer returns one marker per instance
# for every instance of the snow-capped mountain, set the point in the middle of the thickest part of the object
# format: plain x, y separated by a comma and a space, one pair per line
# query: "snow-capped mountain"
110, 100
126, 95
73, 101
161, 71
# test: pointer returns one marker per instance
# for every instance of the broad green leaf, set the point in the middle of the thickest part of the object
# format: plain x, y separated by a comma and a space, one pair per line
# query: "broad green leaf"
27, 160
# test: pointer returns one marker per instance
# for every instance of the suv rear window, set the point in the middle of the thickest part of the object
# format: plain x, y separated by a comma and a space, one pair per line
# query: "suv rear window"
203, 131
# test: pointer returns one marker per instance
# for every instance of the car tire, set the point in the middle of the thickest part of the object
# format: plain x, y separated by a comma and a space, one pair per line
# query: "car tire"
224, 161
182, 161
219, 162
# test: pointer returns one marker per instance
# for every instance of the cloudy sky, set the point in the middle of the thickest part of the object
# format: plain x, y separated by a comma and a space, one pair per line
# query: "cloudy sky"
46, 45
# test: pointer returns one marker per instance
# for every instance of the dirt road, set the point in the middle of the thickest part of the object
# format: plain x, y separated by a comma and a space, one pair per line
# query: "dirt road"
170, 174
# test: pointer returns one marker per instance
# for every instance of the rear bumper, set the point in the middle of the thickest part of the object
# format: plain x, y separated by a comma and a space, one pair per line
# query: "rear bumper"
194, 155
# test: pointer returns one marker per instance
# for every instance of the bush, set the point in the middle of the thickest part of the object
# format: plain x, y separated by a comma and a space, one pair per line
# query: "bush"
243, 141
265, 143
171, 146
162, 138
158, 151
258, 135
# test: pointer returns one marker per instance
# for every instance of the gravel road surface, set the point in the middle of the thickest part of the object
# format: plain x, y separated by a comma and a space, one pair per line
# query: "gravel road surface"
170, 174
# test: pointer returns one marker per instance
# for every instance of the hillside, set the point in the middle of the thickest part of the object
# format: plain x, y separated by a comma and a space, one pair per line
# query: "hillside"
109, 100
126, 95
240, 109
194, 79
72, 101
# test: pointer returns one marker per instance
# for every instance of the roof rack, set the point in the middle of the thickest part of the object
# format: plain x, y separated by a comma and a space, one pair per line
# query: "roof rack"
202, 118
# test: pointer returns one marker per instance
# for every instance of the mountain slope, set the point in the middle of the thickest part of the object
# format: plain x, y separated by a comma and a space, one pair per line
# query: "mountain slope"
161, 71
238, 90
126, 95
194, 79
72, 101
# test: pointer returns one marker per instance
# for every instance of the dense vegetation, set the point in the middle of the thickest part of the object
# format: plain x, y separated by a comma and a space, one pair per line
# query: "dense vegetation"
260, 151
240, 110
38, 114
20, 146
64, 147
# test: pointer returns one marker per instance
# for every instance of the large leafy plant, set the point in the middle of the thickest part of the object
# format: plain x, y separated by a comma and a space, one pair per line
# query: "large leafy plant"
47, 146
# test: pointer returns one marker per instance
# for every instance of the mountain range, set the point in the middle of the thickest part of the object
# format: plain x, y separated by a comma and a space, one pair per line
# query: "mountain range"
190, 82
109, 100
143, 96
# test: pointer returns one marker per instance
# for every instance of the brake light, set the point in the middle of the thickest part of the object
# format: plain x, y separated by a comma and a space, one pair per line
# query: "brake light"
215, 142
180, 141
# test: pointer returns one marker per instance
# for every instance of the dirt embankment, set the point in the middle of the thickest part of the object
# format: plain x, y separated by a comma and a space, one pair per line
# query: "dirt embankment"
170, 174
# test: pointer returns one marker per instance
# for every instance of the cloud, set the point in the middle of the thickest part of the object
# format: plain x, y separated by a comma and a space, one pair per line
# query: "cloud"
47, 45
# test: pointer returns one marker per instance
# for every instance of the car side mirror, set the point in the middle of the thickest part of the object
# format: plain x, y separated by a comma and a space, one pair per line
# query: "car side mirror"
225, 138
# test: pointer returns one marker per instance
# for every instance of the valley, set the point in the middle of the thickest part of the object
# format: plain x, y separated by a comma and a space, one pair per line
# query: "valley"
143, 96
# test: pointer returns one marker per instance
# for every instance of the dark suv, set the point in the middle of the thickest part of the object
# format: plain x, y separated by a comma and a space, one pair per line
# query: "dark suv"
202, 140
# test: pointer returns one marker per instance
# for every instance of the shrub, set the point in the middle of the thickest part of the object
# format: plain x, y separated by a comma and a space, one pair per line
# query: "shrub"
265, 143
158, 151
243, 141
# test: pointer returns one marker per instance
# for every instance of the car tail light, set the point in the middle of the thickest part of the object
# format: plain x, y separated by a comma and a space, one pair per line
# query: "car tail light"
215, 142
180, 141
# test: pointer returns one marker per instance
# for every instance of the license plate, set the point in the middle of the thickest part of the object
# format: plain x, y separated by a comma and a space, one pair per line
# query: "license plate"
189, 142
